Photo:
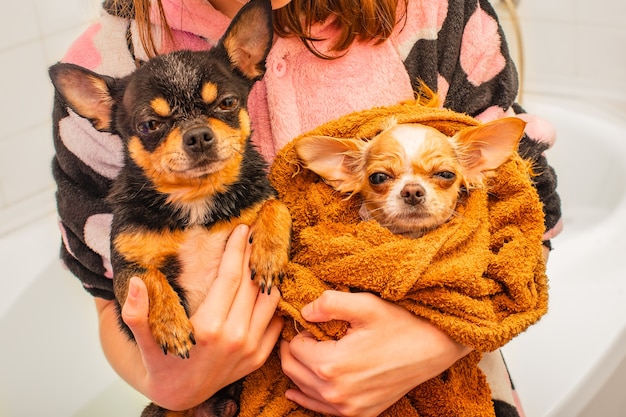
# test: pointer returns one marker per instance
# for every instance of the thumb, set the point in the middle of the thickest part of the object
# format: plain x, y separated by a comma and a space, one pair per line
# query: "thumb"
136, 308
337, 305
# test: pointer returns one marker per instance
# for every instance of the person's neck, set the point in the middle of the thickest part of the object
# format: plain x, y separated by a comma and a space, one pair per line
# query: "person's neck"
229, 8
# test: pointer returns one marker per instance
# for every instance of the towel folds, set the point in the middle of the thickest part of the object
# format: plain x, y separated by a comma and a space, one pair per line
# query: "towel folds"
480, 277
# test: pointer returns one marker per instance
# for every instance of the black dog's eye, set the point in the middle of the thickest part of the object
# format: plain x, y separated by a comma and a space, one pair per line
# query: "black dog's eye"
228, 103
149, 126
378, 178
446, 175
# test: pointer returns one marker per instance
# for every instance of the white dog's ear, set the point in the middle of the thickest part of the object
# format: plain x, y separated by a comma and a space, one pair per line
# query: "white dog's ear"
338, 161
485, 147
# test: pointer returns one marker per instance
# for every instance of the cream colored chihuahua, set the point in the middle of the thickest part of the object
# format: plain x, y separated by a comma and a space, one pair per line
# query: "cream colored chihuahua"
410, 175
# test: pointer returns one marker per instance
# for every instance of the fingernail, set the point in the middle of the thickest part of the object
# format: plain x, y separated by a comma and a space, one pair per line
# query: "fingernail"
133, 288
289, 395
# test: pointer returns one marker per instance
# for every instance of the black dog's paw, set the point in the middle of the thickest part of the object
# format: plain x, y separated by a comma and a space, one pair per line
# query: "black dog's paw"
271, 240
170, 325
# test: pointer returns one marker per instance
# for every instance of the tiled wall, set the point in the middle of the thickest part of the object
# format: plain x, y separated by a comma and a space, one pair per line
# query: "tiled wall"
575, 47
571, 46
32, 36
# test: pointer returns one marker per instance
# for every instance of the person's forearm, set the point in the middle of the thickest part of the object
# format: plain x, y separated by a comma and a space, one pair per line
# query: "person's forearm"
127, 361
122, 354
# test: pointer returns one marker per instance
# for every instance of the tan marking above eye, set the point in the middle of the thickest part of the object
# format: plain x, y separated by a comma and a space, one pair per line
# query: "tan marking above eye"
161, 107
209, 92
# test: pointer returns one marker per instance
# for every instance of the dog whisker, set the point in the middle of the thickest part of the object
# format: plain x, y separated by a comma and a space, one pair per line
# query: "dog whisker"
455, 214
232, 147
140, 189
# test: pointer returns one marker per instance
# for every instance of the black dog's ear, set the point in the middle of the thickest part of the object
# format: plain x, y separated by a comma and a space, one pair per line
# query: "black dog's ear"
85, 92
249, 38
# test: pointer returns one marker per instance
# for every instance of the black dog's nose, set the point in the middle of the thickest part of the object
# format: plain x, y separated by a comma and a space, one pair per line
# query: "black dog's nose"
413, 194
198, 139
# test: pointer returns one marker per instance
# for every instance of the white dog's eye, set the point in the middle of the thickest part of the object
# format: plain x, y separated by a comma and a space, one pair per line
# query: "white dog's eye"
446, 175
378, 178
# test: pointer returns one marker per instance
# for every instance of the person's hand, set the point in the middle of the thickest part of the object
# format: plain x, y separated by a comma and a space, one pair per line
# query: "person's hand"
386, 352
234, 327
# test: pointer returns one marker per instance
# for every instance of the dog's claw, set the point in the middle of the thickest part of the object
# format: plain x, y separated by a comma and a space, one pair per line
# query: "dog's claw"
172, 329
269, 255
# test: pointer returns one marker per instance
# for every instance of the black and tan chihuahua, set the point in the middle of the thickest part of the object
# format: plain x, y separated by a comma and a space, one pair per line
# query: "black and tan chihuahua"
190, 170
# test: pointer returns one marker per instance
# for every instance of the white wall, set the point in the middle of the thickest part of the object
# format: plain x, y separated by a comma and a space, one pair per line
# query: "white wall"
33, 36
571, 46
575, 47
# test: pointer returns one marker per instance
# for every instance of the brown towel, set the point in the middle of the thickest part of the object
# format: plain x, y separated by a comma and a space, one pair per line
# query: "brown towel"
480, 277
